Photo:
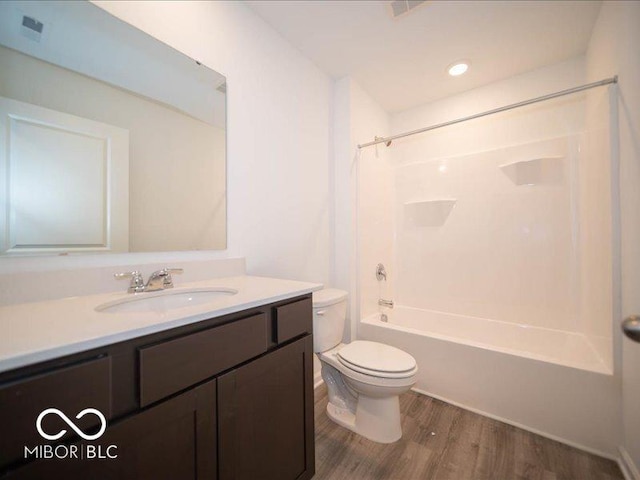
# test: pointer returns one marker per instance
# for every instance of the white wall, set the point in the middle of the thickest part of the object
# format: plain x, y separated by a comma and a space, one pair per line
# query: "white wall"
613, 50
362, 179
343, 176
278, 131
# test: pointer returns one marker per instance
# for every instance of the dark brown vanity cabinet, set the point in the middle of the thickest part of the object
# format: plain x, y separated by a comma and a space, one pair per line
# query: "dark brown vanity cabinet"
173, 440
229, 398
265, 416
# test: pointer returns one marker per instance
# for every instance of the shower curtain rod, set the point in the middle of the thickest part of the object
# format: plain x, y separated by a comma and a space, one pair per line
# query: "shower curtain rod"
388, 140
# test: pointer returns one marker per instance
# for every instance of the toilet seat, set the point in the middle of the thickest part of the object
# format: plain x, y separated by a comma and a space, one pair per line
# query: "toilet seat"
375, 373
377, 359
331, 358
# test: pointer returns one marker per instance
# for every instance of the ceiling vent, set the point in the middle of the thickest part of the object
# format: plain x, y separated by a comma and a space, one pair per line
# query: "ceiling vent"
402, 7
31, 28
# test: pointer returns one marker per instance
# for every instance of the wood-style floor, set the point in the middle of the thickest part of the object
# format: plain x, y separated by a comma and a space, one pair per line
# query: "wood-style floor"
444, 442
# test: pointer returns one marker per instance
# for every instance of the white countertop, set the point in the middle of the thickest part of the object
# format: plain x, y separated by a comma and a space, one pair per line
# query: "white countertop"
39, 331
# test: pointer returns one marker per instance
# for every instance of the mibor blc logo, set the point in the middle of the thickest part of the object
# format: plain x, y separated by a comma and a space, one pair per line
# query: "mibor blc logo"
103, 424
78, 451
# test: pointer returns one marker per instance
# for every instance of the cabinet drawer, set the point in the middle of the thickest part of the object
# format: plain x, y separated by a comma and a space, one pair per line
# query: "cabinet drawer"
69, 389
293, 319
171, 366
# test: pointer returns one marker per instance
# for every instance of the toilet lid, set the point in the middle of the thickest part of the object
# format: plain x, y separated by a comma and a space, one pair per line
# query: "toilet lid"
376, 357
327, 297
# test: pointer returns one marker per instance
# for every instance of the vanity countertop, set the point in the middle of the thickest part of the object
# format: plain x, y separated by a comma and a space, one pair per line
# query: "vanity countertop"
39, 331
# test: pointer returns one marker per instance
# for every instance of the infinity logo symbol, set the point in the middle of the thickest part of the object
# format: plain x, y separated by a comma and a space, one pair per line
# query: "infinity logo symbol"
58, 435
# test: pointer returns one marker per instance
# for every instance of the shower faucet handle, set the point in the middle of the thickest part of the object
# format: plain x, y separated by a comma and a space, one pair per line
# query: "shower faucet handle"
381, 273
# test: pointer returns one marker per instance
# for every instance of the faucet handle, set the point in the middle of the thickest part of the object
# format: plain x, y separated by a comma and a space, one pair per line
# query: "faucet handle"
381, 273
167, 280
137, 282
174, 270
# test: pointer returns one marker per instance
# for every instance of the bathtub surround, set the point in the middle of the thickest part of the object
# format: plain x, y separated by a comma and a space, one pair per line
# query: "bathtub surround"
520, 238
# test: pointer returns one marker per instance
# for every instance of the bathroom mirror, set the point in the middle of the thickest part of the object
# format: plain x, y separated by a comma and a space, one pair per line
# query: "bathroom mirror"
110, 141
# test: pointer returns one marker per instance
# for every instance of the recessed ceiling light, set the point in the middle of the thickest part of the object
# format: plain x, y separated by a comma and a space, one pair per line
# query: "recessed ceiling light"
458, 68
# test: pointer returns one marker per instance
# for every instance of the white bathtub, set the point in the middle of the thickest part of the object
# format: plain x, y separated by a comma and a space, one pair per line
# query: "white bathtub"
548, 381
555, 346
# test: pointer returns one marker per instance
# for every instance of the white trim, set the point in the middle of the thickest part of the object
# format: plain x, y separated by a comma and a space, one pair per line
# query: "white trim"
627, 466
524, 427
317, 380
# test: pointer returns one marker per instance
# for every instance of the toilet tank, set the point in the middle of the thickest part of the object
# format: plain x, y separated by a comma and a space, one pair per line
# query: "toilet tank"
329, 316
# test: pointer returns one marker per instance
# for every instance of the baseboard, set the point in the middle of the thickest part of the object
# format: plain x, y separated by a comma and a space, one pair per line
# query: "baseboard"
525, 427
317, 380
626, 464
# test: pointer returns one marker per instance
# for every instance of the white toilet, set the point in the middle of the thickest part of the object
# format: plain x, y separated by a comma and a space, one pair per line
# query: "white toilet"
364, 379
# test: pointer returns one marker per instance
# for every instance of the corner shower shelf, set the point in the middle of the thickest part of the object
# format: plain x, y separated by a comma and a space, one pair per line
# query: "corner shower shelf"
429, 213
537, 171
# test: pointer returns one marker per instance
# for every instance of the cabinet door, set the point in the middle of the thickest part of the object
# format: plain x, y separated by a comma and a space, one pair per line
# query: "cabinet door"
173, 440
265, 417
70, 388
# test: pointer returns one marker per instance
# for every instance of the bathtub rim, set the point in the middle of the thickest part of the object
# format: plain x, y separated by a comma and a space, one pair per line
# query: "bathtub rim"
603, 368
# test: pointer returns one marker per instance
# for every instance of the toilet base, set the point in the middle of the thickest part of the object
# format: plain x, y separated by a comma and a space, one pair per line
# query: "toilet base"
342, 417
377, 419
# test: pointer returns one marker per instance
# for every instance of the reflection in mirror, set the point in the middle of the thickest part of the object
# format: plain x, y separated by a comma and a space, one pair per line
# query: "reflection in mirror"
110, 141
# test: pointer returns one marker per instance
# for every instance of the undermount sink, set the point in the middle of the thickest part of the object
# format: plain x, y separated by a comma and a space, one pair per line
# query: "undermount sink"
166, 300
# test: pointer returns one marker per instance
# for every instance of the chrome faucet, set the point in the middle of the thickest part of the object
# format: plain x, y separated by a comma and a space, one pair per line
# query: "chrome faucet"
137, 281
161, 279
158, 280
385, 303
381, 273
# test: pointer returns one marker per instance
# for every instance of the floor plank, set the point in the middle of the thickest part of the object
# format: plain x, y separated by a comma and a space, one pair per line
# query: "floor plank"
444, 442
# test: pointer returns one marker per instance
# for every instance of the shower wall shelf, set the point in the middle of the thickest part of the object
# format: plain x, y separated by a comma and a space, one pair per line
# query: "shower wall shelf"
428, 213
536, 171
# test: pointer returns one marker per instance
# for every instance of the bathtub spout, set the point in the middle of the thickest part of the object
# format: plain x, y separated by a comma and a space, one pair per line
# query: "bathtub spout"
385, 303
